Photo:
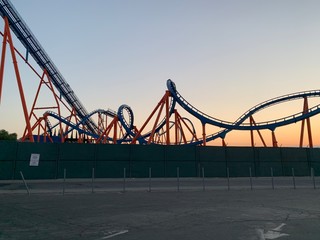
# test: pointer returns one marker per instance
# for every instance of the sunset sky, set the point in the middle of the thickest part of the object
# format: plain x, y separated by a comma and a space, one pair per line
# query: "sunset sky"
224, 56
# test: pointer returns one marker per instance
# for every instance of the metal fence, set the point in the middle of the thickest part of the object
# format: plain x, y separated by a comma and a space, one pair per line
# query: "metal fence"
67, 185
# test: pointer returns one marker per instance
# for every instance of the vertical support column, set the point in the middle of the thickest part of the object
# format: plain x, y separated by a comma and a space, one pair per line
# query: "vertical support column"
115, 129
223, 143
204, 134
176, 126
274, 140
167, 119
251, 132
309, 133
305, 111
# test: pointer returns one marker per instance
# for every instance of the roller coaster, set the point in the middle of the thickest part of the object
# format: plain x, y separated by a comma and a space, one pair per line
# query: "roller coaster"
165, 125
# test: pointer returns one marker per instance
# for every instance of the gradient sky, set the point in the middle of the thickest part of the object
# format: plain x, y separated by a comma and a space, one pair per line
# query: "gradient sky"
224, 56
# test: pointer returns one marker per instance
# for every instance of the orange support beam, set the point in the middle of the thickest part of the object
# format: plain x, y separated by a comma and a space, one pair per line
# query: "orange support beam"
223, 143
252, 122
160, 105
274, 140
18, 78
151, 137
251, 132
305, 111
113, 125
3, 57
204, 134
167, 120
177, 127
115, 131
48, 83
73, 114
180, 122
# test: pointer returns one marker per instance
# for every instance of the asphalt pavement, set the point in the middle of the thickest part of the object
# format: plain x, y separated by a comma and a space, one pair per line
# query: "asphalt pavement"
193, 208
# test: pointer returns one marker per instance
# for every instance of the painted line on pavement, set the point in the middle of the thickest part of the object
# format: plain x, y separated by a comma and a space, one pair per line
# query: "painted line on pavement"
115, 234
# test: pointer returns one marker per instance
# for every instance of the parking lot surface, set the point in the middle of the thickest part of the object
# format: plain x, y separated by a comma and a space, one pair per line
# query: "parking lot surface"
187, 209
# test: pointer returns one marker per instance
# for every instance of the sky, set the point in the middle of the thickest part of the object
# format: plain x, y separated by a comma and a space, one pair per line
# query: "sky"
224, 56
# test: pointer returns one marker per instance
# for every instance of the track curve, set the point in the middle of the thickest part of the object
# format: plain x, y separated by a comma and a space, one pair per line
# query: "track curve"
239, 124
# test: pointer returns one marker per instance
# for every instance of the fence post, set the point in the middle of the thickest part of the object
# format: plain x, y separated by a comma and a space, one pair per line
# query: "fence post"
250, 178
25, 183
272, 181
64, 180
293, 179
313, 178
228, 176
203, 182
150, 179
124, 179
178, 179
92, 184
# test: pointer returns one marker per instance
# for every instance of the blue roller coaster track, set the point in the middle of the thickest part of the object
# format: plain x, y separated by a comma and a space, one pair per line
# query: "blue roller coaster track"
240, 124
